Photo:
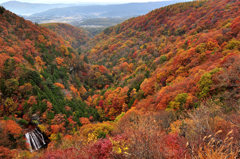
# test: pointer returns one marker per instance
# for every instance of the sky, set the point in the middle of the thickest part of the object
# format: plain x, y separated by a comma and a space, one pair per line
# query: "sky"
84, 1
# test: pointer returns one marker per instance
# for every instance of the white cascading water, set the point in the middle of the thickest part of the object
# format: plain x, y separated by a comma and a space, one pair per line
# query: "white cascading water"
35, 140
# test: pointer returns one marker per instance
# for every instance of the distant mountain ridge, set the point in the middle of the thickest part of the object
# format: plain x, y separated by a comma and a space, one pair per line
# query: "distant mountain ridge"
116, 10
23, 8
80, 14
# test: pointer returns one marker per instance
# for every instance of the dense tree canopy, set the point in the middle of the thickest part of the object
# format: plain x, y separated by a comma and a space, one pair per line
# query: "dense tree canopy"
161, 85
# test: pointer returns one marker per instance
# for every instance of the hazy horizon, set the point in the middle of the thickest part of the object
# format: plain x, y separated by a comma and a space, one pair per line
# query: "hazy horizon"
84, 1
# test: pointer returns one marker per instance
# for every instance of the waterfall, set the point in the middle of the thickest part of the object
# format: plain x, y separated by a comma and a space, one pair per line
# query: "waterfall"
35, 139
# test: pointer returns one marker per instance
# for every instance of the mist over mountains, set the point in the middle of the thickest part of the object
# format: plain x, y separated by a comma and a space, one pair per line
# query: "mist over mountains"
22, 8
116, 10
83, 14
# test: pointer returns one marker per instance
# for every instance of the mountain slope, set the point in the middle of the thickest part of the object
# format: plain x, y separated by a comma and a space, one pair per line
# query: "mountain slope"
170, 51
37, 79
166, 85
76, 37
175, 86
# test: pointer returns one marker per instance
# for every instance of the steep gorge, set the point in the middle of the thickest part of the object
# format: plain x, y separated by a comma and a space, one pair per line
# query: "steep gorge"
169, 77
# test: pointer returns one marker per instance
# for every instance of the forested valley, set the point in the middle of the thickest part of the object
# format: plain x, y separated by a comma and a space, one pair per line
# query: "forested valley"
165, 85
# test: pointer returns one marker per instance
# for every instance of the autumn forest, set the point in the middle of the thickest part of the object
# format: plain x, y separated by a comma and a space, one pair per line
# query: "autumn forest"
165, 85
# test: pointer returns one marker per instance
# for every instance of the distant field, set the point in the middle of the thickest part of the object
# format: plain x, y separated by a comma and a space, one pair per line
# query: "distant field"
97, 25
101, 22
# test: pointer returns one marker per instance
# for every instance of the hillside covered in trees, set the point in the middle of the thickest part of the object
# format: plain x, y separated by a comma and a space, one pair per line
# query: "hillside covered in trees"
162, 85
37, 77
75, 37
